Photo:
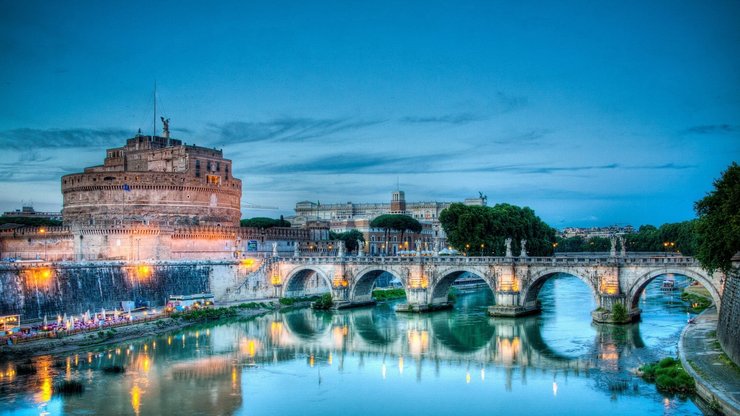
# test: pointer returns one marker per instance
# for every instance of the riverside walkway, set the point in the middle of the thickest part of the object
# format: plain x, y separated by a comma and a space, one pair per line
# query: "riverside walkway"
717, 378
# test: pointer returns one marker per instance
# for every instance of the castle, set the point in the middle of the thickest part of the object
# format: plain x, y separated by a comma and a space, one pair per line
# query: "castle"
154, 198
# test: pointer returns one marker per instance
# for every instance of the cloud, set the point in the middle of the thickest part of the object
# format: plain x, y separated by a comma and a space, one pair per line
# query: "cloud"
505, 103
713, 129
287, 129
343, 163
457, 119
26, 138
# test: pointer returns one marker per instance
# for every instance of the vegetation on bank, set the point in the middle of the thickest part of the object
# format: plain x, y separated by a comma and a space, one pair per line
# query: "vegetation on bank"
292, 301
324, 302
681, 235
698, 303
668, 376
388, 294
619, 312
482, 230
264, 222
207, 314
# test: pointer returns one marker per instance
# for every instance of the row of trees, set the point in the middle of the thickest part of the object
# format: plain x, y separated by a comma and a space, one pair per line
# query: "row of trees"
264, 222
30, 221
483, 230
676, 237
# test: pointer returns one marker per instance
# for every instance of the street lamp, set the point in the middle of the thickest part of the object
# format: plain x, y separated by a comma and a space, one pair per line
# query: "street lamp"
467, 247
482, 246
667, 244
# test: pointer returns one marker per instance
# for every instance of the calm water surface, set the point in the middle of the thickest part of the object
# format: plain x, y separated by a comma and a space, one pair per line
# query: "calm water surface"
374, 361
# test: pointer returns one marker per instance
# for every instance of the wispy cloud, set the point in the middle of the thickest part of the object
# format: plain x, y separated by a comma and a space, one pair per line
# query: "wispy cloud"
458, 118
26, 138
713, 129
505, 103
286, 129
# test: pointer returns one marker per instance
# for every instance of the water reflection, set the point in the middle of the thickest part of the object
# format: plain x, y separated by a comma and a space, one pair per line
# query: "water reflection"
242, 367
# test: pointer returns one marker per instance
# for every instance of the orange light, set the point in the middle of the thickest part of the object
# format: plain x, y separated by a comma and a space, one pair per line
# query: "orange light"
143, 272
247, 262
275, 280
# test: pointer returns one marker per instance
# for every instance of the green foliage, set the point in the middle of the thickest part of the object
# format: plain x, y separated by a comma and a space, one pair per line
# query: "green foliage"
619, 312
491, 226
264, 222
206, 314
698, 303
250, 305
388, 294
396, 222
349, 237
33, 222
649, 238
293, 301
669, 376
718, 227
324, 302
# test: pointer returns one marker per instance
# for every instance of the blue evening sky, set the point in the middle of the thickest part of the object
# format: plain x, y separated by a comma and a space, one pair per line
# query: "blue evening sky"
591, 113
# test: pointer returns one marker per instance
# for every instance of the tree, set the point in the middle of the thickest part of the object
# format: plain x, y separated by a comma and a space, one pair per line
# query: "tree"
30, 221
718, 226
264, 222
396, 222
349, 237
470, 227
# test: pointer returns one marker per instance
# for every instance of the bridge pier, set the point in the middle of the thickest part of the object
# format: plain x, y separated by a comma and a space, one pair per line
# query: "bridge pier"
614, 309
417, 301
508, 304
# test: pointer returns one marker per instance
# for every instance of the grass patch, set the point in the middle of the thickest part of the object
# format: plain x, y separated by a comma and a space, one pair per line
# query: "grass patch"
388, 294
668, 376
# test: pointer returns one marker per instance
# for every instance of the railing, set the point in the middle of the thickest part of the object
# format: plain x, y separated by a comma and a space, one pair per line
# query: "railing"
582, 260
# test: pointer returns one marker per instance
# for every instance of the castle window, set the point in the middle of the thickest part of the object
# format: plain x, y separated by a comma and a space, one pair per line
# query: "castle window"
197, 168
218, 166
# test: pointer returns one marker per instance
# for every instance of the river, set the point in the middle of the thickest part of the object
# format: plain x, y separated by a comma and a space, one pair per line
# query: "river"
374, 361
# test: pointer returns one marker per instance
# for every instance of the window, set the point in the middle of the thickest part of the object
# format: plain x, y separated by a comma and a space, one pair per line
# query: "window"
197, 168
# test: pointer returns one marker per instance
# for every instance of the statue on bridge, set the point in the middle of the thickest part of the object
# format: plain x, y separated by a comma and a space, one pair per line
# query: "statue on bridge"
340, 248
436, 247
418, 248
274, 249
508, 248
623, 248
524, 248
296, 252
360, 248
613, 250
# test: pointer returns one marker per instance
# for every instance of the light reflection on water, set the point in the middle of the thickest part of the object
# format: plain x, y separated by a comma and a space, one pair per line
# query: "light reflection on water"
373, 360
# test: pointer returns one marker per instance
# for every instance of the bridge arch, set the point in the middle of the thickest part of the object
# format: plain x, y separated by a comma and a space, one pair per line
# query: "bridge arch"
296, 282
531, 291
636, 289
362, 287
442, 286
307, 325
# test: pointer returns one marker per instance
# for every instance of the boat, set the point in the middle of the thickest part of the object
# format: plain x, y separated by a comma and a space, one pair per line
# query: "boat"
669, 284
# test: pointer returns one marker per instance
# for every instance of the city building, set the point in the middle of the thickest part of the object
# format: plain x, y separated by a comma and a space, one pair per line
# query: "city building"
27, 211
589, 232
358, 216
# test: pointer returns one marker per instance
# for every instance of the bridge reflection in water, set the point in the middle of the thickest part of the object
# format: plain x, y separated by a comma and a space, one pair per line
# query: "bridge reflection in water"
202, 369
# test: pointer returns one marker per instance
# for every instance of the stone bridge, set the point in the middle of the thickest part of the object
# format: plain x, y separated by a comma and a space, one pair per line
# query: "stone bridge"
515, 281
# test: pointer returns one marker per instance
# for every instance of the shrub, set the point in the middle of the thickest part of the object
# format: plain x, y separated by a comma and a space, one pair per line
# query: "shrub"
669, 376
324, 302
388, 294
619, 312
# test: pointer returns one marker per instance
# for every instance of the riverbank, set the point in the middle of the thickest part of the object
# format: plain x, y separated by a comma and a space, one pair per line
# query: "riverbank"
717, 378
92, 339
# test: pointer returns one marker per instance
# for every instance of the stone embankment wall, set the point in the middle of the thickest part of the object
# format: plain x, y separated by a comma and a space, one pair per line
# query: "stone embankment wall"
36, 290
728, 329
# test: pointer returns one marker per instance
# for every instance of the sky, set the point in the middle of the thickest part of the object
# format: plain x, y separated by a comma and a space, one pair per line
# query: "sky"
591, 113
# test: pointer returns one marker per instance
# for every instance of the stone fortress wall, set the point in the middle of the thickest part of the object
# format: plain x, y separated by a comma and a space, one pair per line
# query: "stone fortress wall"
728, 330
